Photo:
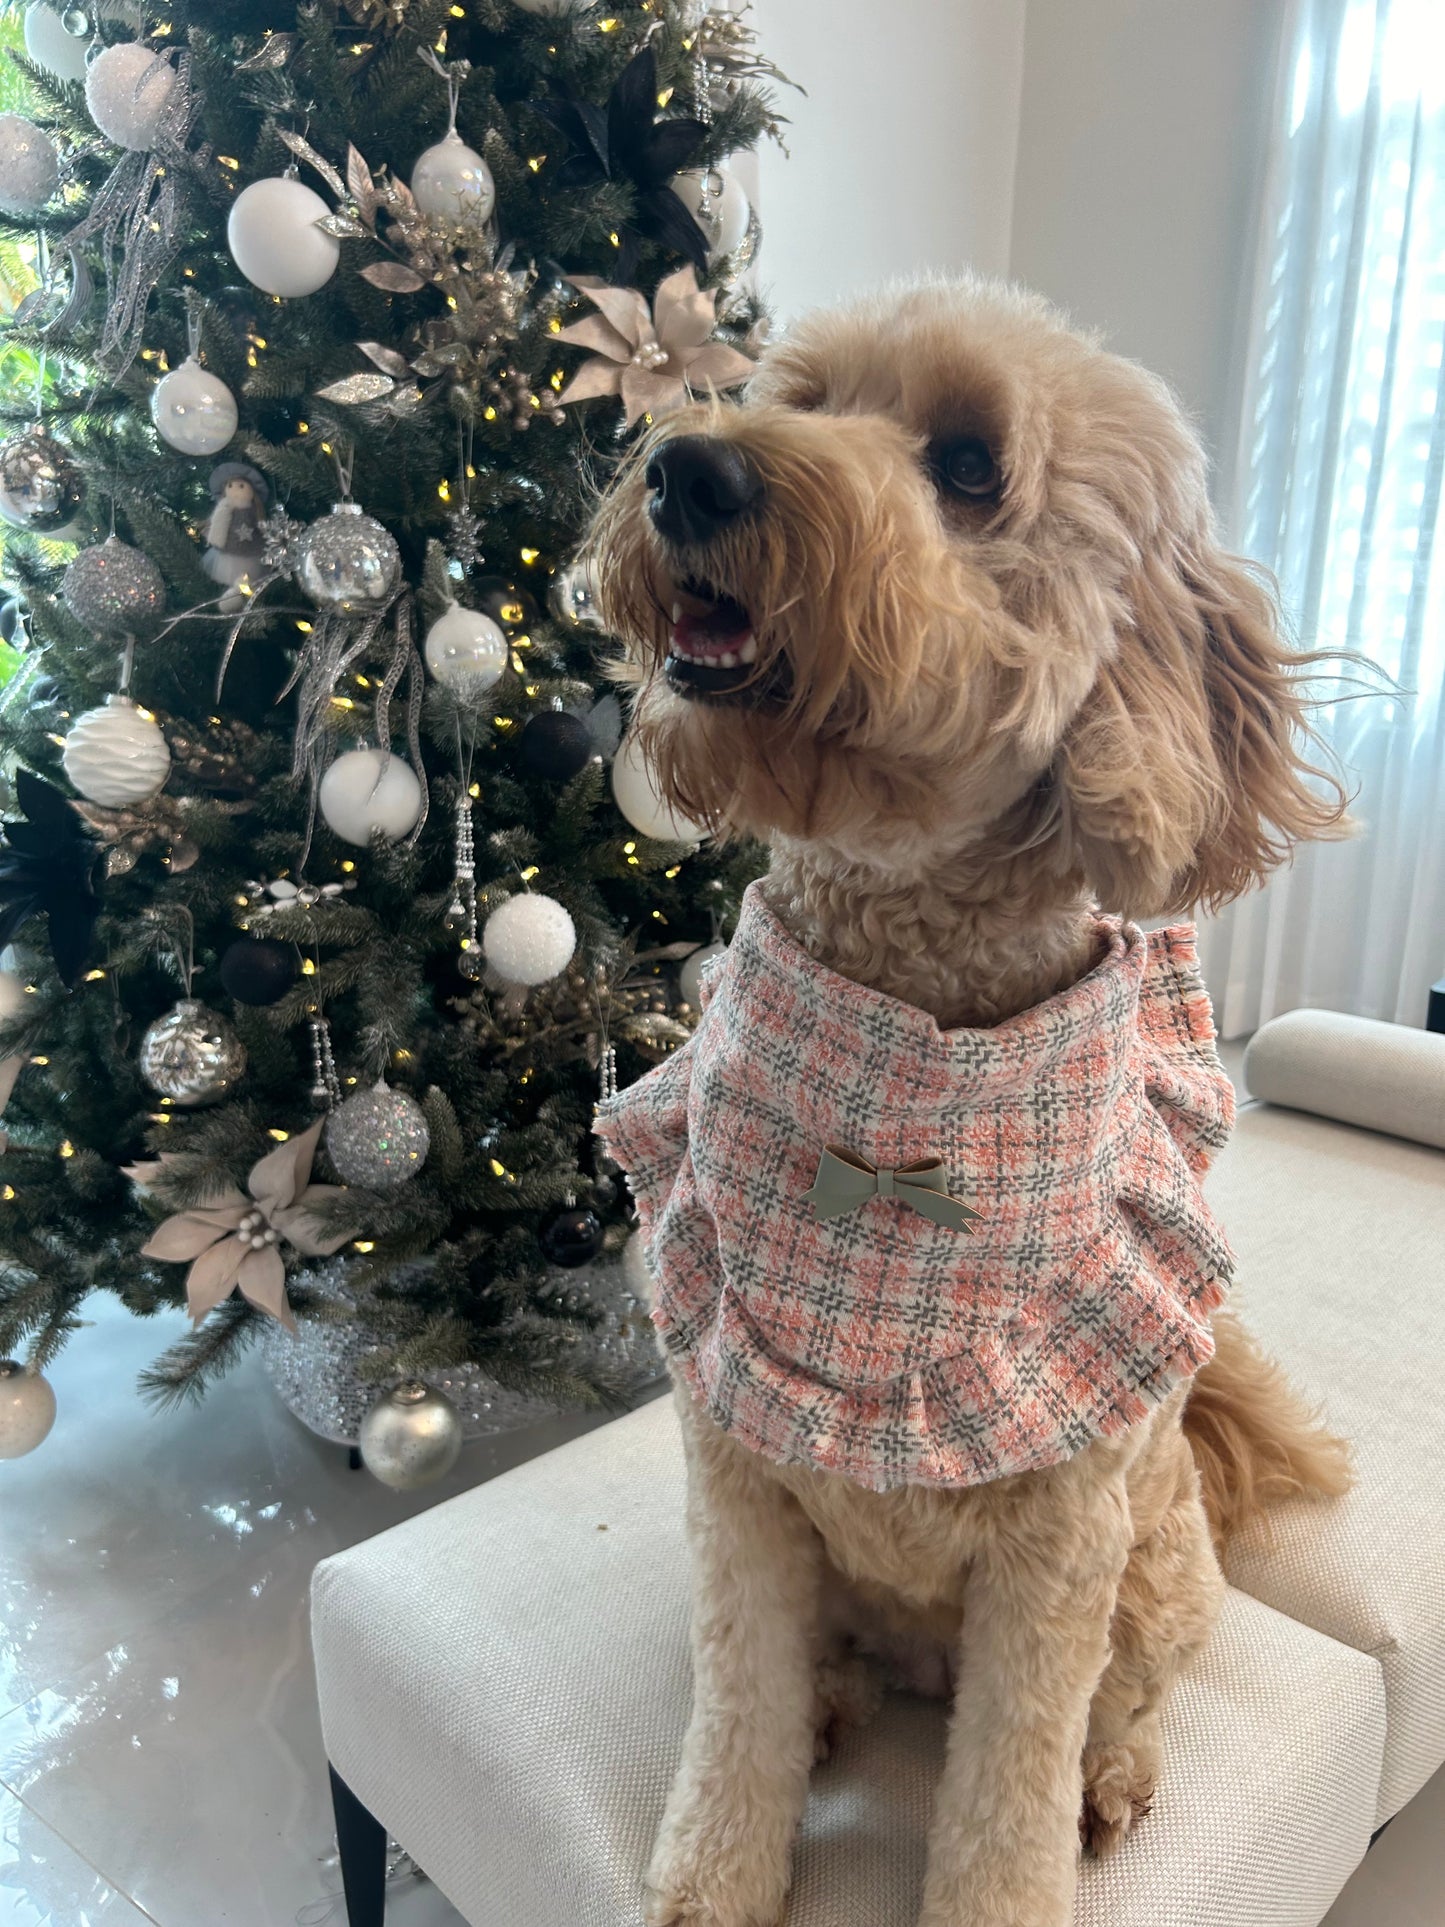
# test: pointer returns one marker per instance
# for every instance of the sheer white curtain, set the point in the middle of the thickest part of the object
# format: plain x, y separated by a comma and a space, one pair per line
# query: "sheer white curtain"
1338, 487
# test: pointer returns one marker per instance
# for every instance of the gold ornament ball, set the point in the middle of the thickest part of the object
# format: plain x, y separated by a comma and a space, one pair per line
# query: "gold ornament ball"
411, 1436
27, 1409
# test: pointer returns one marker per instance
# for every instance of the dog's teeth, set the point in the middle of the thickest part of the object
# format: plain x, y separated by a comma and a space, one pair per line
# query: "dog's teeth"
748, 652
677, 612
728, 660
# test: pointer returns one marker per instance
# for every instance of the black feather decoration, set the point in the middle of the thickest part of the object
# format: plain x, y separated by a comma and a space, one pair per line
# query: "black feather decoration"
48, 864
627, 142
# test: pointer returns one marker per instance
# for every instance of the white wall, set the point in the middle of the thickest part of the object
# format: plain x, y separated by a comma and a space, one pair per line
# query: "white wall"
902, 152
1142, 134
1106, 151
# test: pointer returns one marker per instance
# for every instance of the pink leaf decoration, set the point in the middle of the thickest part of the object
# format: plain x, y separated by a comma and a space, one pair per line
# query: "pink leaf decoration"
303, 1229
213, 1277
280, 1177
189, 1233
262, 1279
595, 377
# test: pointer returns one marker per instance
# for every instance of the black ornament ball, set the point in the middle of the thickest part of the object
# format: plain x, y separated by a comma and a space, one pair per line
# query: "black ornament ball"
572, 1238
258, 970
554, 746
504, 602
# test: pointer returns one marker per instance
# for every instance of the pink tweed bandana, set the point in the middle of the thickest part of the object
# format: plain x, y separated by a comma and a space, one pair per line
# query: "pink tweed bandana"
878, 1344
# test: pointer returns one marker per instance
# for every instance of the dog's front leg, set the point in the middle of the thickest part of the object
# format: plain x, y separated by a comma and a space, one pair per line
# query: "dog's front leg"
723, 1856
1037, 1605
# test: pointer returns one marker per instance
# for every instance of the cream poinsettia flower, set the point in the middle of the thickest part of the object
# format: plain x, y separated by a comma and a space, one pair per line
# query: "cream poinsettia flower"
235, 1243
653, 358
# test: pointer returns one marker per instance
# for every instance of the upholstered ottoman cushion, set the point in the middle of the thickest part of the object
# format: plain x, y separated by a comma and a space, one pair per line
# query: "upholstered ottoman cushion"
1341, 1240
504, 1681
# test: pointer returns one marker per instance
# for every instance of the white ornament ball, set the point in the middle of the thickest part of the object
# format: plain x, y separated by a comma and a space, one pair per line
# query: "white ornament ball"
529, 939
465, 650
378, 1137
50, 43
274, 239
27, 1409
411, 1436
29, 165
367, 790
193, 410
452, 182
116, 754
634, 788
717, 203
689, 977
126, 89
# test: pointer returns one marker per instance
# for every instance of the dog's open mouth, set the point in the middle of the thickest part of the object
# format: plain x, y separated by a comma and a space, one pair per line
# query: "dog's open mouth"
711, 650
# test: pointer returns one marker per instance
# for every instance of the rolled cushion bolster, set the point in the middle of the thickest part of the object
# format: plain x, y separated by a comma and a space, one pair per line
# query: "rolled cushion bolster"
1385, 1077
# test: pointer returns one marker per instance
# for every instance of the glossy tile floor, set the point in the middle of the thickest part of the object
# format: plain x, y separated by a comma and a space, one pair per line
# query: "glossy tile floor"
160, 1754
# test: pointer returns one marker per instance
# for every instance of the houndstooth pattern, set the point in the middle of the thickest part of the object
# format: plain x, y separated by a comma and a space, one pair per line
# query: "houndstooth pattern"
877, 1344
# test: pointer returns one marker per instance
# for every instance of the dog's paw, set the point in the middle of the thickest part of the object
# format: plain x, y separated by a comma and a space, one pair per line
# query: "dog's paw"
1118, 1792
847, 1693
669, 1906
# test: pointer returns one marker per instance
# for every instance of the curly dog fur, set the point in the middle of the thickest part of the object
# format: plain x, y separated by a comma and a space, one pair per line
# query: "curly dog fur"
973, 712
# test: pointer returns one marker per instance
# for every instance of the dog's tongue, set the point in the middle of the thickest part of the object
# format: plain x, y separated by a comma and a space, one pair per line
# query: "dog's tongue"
714, 632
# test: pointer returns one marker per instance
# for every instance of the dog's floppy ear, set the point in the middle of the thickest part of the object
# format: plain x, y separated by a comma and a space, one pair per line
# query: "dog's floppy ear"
1181, 779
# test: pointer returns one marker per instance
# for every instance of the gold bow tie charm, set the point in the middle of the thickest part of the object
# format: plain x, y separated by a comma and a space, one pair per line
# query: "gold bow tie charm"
845, 1180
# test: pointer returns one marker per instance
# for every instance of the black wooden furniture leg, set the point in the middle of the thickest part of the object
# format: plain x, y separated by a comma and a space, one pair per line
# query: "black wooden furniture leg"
361, 1841
353, 1458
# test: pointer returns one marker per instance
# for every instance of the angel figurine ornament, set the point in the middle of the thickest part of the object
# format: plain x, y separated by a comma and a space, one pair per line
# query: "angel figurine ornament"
233, 534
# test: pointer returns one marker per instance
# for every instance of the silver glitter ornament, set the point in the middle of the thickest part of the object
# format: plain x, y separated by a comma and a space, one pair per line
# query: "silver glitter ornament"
411, 1436
27, 1409
191, 1055
41, 487
113, 589
347, 560
320, 1370
378, 1138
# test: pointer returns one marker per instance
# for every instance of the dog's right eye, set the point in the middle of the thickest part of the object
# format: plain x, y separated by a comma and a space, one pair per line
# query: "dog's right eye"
965, 466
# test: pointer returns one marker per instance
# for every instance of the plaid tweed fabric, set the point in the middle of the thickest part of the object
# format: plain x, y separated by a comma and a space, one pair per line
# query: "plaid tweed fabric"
877, 1344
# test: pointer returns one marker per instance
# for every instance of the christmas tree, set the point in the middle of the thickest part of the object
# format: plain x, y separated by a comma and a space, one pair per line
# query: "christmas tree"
335, 899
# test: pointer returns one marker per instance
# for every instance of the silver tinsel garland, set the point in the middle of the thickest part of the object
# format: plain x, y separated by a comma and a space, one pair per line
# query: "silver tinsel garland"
318, 1372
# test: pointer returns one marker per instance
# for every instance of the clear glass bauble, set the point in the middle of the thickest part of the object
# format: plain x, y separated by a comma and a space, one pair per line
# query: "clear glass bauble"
193, 410
465, 650
274, 239
41, 486
191, 1055
347, 560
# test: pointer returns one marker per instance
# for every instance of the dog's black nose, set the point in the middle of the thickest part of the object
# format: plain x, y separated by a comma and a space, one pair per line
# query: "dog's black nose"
700, 485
